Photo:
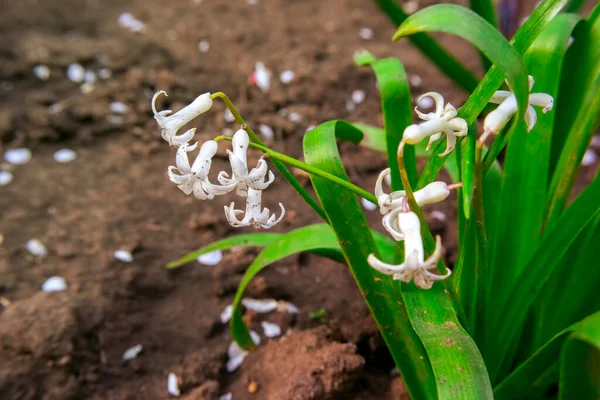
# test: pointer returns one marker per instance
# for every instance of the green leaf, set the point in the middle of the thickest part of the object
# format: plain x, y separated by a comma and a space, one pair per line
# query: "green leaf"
444, 60
397, 115
486, 9
480, 97
302, 239
531, 377
524, 183
577, 111
354, 236
580, 362
499, 348
247, 240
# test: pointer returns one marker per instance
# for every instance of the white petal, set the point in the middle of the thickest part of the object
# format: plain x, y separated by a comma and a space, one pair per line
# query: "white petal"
226, 396
181, 158
367, 205
499, 96
6, 177
173, 385
118, 108
271, 330
390, 223
530, 118
211, 258
384, 268
132, 352
226, 314
37, 248
589, 158
358, 96
366, 33
64, 156
203, 161
266, 131
75, 73
54, 284
260, 306
234, 363
287, 76
542, 100
262, 76
123, 255
18, 156
287, 307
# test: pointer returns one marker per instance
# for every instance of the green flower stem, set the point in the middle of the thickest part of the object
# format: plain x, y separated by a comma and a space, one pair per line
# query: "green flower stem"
278, 164
309, 168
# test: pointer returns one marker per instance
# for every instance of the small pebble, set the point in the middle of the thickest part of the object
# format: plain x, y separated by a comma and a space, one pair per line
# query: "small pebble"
262, 77
438, 215
76, 73
86, 88
226, 314
132, 352
252, 2
266, 131
367, 205
415, 81
123, 255
42, 72
228, 116
271, 330
104, 73
210, 258
261, 306
64, 156
54, 284
173, 385
226, 396
56, 108
118, 108
350, 106
288, 307
595, 141
252, 387
227, 132
426, 102
358, 96
310, 128
366, 33
37, 248
589, 158
204, 46
127, 20
6, 177
90, 77
18, 156
410, 7
287, 76
295, 117
115, 119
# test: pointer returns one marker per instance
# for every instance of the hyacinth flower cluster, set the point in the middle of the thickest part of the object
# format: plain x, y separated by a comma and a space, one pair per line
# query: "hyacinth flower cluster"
398, 219
193, 178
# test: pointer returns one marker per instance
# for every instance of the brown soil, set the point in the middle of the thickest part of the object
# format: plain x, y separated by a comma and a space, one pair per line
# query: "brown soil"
115, 195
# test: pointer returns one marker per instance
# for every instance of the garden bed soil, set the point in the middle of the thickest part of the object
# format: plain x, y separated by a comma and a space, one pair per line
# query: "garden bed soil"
116, 196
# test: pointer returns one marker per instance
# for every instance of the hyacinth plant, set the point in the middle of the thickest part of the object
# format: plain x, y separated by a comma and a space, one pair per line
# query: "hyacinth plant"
516, 317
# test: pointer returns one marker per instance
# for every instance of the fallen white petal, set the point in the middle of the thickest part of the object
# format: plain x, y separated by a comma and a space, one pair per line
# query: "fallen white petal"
226, 396
262, 76
42, 72
261, 306
204, 46
234, 363
358, 96
366, 33
127, 20
123, 255
367, 205
295, 117
255, 337
64, 156
410, 7
228, 116
18, 156
54, 284
104, 73
132, 352
6, 177
589, 158
438, 215
173, 385
226, 314
310, 128
271, 330
211, 258
37, 248
350, 106
90, 77
266, 131
415, 81
118, 108
75, 73
87, 87
287, 76
227, 132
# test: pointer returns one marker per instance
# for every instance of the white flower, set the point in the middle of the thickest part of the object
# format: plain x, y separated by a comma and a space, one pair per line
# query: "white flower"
255, 216
497, 119
242, 179
442, 121
194, 179
414, 267
170, 124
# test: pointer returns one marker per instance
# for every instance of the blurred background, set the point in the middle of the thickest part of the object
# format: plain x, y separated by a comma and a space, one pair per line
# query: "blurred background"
88, 218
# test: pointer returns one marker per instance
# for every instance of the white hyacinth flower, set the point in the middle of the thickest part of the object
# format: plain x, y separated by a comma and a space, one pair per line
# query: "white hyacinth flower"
241, 178
442, 121
497, 119
170, 124
255, 215
194, 178
414, 267
432, 193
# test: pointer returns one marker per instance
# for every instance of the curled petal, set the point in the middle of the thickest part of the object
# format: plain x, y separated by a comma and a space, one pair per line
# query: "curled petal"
161, 113
530, 118
184, 138
423, 116
431, 262
433, 139
203, 161
390, 223
450, 143
449, 112
499, 96
379, 184
531, 82
181, 158
256, 177
542, 100
217, 190
171, 123
231, 215
199, 191
459, 126
437, 98
176, 179
384, 268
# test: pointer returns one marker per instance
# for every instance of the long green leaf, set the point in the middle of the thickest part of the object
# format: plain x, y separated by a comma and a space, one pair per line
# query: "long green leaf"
356, 241
580, 362
444, 60
397, 115
520, 223
578, 111
526, 380
486, 9
480, 97
499, 348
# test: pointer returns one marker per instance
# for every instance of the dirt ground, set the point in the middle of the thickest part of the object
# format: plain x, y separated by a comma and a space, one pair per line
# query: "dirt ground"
116, 196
